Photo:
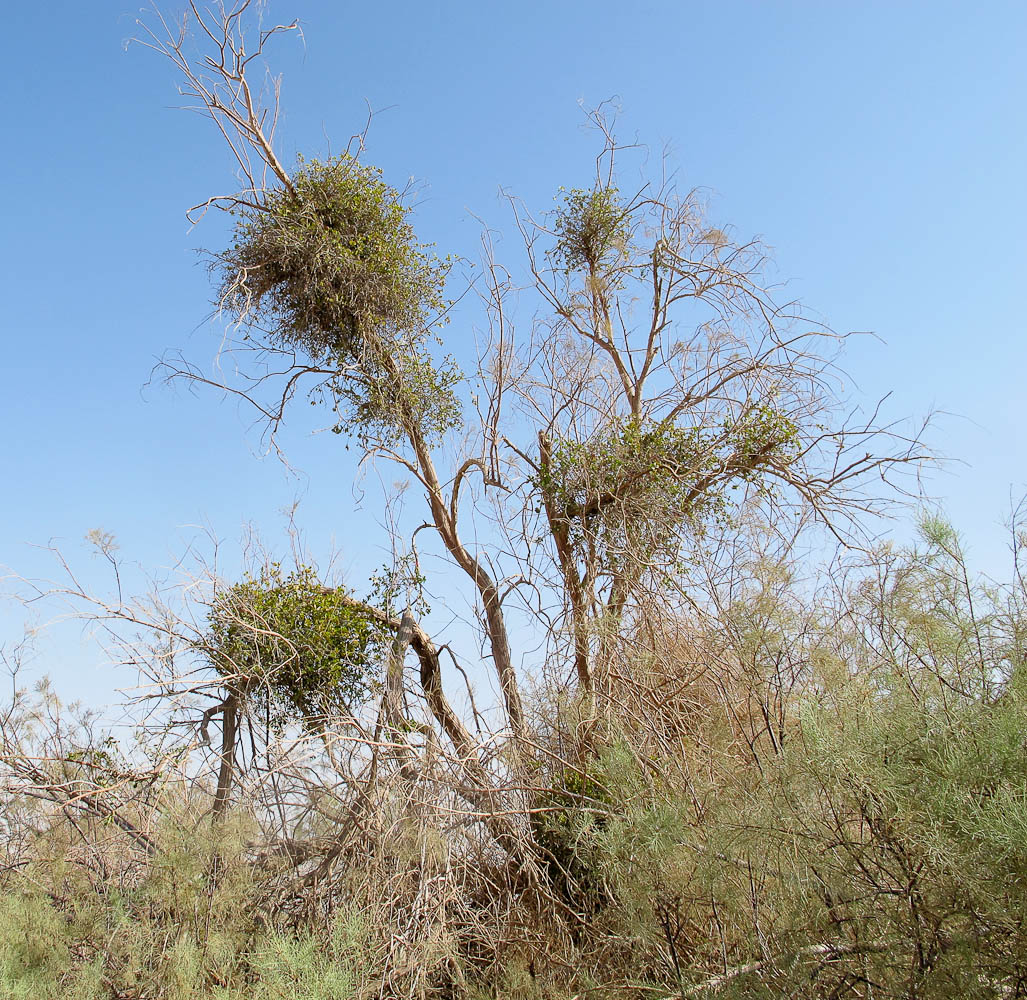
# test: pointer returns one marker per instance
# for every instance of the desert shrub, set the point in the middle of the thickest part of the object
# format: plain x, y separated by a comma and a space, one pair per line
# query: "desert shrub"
34, 952
564, 821
308, 966
194, 924
875, 847
880, 848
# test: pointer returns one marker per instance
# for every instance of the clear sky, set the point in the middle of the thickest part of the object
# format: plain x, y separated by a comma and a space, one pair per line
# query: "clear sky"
879, 147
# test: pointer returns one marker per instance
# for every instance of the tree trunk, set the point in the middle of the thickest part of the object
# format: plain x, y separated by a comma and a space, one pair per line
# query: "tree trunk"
229, 736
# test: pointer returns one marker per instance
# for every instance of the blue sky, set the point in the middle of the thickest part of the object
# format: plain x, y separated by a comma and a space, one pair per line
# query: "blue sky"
879, 148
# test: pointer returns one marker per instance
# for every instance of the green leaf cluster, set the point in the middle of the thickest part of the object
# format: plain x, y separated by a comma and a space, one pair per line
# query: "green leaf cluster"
332, 269
590, 227
331, 263
567, 817
299, 642
413, 391
654, 478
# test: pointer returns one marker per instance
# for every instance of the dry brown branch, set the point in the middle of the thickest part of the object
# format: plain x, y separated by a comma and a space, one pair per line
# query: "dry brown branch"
216, 84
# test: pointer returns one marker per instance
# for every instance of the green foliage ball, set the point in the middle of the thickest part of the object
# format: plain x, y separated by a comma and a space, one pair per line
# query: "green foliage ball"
332, 262
297, 641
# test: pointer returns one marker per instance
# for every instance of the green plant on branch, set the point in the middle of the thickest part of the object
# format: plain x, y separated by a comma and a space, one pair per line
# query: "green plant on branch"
667, 477
302, 645
590, 227
331, 265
